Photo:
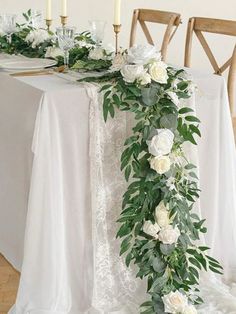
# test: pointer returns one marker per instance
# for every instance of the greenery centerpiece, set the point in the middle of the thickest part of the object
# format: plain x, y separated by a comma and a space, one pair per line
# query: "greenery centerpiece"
158, 226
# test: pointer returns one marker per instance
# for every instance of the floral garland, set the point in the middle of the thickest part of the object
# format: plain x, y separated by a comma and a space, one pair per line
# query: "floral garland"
158, 226
41, 43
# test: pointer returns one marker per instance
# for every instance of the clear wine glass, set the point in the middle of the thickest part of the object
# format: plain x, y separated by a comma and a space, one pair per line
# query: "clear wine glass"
97, 29
8, 25
66, 41
36, 18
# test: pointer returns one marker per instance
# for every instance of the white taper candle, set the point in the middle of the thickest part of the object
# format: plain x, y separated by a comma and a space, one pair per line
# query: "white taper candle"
64, 8
117, 12
49, 10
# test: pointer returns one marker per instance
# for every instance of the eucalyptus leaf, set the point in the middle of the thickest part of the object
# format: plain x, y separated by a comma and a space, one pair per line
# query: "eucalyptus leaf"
158, 265
167, 249
169, 121
149, 96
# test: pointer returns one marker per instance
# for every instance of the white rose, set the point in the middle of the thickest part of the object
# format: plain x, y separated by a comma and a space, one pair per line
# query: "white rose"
158, 72
160, 164
189, 309
97, 54
161, 144
174, 98
142, 54
118, 63
131, 72
169, 235
37, 37
145, 79
53, 52
151, 229
175, 302
162, 215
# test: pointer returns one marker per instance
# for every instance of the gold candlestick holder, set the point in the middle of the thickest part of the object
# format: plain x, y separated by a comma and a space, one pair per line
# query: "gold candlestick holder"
48, 23
64, 20
117, 31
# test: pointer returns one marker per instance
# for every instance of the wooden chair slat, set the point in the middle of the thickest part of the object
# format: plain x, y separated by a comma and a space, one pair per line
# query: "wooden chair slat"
162, 17
225, 66
188, 43
198, 25
170, 19
216, 26
173, 33
134, 28
208, 51
146, 32
167, 36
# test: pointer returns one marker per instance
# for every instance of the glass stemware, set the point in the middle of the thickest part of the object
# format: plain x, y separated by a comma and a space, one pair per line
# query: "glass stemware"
97, 29
66, 42
8, 25
36, 18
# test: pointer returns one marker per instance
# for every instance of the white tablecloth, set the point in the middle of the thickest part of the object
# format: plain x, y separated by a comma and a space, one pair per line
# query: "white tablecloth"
71, 263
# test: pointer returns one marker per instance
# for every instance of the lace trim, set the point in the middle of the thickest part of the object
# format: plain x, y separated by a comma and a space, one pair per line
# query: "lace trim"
114, 284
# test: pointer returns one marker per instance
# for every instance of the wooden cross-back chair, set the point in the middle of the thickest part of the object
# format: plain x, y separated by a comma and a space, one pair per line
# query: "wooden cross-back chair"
172, 20
199, 25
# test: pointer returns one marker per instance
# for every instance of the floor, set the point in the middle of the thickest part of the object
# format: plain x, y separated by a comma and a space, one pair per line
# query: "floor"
9, 280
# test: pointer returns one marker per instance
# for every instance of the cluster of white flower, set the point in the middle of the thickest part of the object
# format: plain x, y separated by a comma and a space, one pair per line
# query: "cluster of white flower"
177, 303
37, 37
97, 54
162, 228
53, 52
101, 53
160, 146
142, 64
119, 61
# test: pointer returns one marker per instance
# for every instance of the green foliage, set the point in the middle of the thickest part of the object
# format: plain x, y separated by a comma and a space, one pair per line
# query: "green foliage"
83, 63
166, 267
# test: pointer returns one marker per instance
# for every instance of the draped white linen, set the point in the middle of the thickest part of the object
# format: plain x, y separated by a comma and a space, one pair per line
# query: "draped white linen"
71, 263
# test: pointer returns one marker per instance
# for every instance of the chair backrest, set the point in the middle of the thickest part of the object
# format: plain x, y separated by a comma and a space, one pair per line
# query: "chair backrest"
199, 25
172, 20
